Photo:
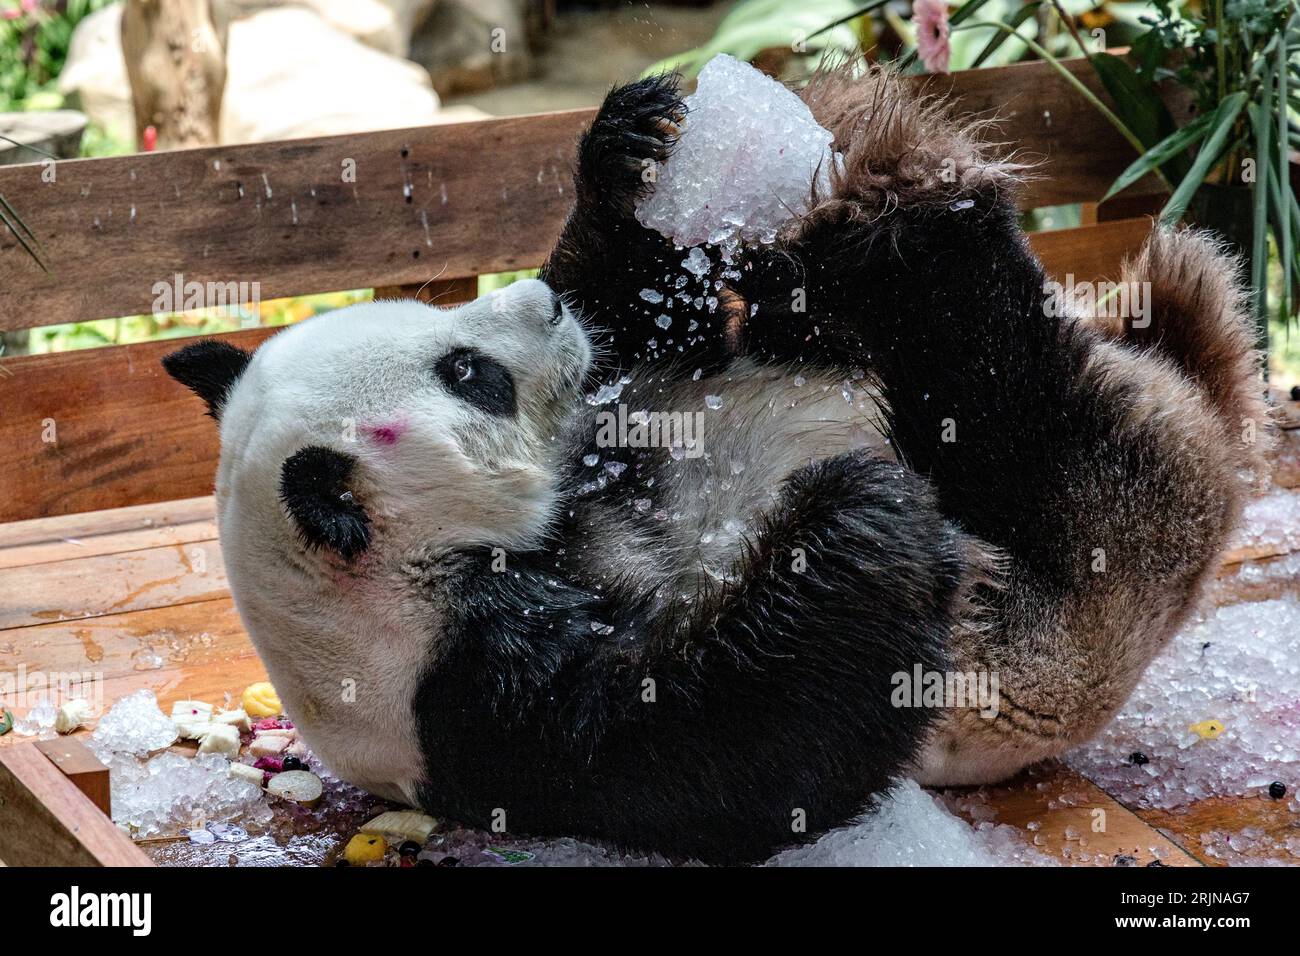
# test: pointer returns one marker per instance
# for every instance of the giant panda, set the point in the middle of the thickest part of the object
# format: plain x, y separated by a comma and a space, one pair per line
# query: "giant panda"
471, 604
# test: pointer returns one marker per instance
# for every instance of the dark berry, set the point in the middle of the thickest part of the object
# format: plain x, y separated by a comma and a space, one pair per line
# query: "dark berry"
1277, 790
1155, 863
1295, 393
1138, 758
409, 848
293, 763
449, 861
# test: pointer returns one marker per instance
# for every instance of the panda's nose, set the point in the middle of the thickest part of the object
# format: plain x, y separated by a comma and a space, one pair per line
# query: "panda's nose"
535, 299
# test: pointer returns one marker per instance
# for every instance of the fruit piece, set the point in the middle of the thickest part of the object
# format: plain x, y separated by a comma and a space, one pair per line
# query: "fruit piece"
1207, 729
6, 722
245, 772
1138, 758
191, 718
261, 700
268, 746
291, 762
235, 718
364, 848
296, 785
409, 848
401, 825
220, 739
287, 733
72, 715
273, 764
1277, 790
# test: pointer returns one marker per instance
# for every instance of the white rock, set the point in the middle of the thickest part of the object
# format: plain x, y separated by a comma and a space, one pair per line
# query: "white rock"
323, 81
94, 74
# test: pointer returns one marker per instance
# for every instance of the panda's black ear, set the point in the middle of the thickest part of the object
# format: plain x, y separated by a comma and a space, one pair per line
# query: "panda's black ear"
210, 369
314, 487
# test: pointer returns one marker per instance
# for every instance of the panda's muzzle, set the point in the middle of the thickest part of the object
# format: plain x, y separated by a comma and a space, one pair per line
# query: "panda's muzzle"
314, 488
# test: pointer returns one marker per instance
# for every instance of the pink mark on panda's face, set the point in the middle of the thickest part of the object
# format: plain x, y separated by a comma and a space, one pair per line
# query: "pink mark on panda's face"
387, 433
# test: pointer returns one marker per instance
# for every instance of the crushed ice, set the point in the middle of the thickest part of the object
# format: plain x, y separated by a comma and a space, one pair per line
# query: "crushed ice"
744, 164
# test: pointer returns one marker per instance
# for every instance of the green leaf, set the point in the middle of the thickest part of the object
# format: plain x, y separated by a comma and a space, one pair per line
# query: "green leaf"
1221, 121
1138, 104
1260, 113
1159, 154
999, 38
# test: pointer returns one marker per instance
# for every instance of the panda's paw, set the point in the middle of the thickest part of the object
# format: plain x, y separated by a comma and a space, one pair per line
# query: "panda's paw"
631, 137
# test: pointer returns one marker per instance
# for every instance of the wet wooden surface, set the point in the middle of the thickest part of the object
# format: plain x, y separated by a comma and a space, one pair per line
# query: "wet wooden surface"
139, 595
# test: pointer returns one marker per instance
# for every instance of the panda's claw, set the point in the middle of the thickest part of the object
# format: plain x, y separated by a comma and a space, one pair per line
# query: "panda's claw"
635, 130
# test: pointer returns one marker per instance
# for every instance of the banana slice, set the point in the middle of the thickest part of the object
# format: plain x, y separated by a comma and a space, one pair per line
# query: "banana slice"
398, 826
220, 739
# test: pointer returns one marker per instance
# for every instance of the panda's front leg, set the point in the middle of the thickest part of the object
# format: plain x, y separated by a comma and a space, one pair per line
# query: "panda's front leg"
762, 714
605, 259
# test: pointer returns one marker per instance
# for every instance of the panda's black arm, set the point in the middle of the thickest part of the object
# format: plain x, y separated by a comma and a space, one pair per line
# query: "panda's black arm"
605, 259
760, 717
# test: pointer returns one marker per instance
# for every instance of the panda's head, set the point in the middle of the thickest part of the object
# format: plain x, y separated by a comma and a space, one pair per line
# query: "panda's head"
357, 449
393, 423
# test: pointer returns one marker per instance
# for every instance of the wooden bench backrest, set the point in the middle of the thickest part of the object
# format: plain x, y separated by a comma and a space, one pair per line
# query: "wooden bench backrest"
376, 209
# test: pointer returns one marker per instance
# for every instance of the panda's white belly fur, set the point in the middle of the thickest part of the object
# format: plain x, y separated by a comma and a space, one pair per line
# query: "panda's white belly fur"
770, 422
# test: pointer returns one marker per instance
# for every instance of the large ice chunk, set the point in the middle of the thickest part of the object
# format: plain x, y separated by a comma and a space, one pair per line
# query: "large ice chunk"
745, 162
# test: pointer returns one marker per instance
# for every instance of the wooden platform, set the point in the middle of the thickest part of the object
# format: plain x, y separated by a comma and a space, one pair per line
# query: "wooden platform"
139, 594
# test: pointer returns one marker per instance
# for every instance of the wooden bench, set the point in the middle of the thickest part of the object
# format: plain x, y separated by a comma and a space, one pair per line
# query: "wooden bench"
109, 559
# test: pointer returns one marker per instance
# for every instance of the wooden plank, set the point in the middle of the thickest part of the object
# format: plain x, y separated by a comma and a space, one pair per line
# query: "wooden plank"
396, 207
313, 215
1089, 253
189, 651
111, 583
87, 534
86, 771
1071, 815
58, 825
1216, 816
199, 634
127, 434
443, 292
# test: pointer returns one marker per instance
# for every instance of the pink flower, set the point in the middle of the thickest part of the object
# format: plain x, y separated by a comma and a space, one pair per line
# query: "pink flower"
24, 6
930, 17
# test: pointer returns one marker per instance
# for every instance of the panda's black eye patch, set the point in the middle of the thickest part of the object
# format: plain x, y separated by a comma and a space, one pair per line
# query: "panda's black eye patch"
478, 379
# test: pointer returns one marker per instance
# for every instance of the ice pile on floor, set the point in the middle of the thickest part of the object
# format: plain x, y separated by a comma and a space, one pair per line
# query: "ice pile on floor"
1238, 669
134, 725
1252, 846
1271, 524
744, 163
912, 828
168, 792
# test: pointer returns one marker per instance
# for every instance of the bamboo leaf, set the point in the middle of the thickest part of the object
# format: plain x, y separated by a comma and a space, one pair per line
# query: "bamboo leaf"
1221, 121
1138, 104
1260, 113
1159, 154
